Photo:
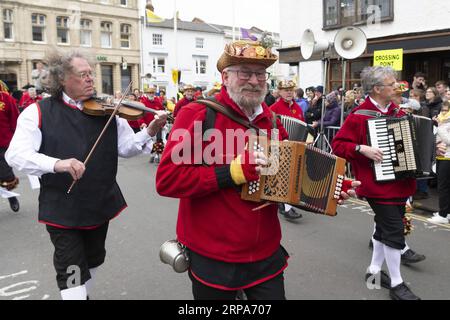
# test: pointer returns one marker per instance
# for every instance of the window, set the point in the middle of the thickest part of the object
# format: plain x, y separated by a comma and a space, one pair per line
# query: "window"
124, 3
200, 66
125, 32
353, 73
199, 42
8, 24
159, 65
157, 39
106, 34
62, 30
85, 33
107, 79
339, 13
38, 27
125, 77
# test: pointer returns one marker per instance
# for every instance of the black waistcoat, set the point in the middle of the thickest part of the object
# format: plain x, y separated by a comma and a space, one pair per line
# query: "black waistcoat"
96, 198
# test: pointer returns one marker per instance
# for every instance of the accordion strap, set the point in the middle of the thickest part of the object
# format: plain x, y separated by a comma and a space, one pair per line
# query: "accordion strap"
212, 103
216, 106
373, 114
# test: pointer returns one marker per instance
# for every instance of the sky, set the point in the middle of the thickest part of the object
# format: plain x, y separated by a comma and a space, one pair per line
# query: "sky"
263, 14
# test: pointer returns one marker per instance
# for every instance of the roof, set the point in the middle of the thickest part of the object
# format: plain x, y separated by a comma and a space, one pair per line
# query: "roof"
187, 25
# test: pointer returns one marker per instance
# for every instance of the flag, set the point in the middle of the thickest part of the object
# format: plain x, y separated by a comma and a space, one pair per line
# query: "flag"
176, 76
246, 35
152, 17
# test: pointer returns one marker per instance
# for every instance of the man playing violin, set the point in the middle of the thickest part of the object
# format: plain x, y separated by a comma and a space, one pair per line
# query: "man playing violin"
51, 140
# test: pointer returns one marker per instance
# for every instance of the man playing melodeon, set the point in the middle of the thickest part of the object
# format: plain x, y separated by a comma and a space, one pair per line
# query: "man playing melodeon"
387, 199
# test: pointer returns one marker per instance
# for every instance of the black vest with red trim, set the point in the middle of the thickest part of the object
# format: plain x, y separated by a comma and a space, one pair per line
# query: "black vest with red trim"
96, 197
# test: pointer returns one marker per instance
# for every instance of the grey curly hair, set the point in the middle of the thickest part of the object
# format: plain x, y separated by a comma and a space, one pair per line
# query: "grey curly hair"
374, 76
59, 65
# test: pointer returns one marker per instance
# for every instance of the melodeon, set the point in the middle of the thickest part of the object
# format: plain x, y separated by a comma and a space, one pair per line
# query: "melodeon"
296, 129
299, 174
407, 144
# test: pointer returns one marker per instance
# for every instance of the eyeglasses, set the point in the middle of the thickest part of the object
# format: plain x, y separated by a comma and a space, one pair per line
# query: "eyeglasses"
85, 74
386, 85
246, 75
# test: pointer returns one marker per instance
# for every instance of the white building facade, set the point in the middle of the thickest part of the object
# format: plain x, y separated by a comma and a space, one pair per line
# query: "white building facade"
193, 48
420, 28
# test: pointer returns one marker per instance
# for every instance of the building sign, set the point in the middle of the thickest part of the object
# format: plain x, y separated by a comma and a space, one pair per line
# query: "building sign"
389, 58
102, 58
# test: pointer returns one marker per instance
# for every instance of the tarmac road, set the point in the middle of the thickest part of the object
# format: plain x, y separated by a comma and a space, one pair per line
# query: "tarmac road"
329, 255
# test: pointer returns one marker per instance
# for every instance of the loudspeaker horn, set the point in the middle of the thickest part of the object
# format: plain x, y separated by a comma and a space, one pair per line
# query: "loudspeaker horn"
350, 42
310, 45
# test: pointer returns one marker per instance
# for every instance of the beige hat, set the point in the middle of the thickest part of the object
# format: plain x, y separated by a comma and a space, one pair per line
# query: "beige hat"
150, 90
286, 84
240, 52
188, 87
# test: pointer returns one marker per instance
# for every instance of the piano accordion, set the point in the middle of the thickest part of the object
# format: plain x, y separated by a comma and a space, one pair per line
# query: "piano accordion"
298, 174
296, 129
407, 144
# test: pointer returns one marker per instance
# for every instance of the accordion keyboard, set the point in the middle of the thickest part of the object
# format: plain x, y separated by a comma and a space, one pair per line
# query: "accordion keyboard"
394, 138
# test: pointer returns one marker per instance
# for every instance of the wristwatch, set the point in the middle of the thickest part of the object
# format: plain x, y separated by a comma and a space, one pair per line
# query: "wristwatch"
358, 148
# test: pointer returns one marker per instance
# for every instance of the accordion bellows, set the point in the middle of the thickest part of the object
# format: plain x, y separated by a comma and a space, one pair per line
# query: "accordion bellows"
298, 174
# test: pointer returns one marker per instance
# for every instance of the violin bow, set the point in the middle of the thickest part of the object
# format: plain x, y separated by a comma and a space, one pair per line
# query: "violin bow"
115, 111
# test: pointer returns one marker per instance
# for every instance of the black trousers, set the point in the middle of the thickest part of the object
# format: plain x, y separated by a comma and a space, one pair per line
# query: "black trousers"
272, 289
389, 227
443, 177
6, 172
77, 251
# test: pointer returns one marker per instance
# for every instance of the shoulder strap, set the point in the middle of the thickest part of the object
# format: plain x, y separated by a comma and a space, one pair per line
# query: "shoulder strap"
210, 120
374, 114
370, 113
274, 120
213, 104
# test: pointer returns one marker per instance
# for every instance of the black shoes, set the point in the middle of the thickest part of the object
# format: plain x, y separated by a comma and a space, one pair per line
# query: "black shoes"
290, 214
408, 257
402, 292
411, 256
14, 204
381, 278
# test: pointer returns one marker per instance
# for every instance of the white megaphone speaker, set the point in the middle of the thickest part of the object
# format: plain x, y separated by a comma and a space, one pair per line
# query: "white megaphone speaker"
350, 42
310, 45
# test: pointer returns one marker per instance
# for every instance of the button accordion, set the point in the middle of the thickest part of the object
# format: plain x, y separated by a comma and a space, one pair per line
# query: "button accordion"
407, 144
298, 174
296, 129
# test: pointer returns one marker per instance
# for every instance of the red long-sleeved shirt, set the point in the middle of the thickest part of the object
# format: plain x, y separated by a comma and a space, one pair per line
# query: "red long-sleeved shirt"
154, 104
180, 104
282, 107
212, 219
354, 132
8, 118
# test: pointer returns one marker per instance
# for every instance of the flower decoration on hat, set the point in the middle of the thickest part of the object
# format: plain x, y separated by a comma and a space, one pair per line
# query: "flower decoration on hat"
245, 51
286, 84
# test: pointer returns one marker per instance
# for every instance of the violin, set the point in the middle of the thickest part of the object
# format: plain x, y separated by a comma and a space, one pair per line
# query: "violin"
129, 110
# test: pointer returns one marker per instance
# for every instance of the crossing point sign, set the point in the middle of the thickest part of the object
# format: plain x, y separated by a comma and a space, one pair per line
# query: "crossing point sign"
389, 58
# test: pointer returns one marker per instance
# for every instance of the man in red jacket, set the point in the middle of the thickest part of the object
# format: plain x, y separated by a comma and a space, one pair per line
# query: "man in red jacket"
387, 199
150, 100
231, 247
8, 121
287, 106
188, 92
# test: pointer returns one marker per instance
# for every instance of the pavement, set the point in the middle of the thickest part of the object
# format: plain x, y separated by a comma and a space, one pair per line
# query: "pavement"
328, 255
